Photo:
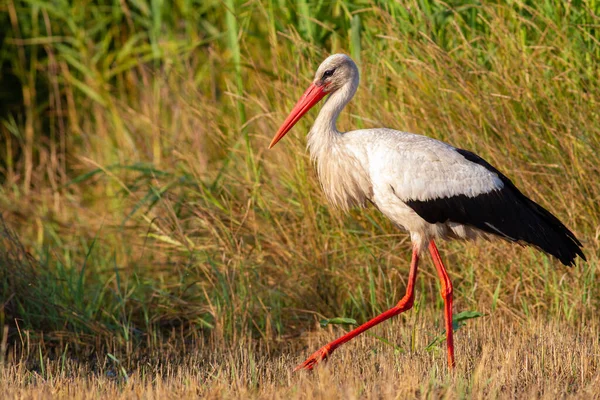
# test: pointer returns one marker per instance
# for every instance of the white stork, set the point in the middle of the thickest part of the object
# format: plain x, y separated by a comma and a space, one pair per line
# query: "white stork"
424, 186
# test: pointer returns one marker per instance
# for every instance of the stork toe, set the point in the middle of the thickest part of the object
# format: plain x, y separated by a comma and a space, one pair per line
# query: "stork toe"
315, 358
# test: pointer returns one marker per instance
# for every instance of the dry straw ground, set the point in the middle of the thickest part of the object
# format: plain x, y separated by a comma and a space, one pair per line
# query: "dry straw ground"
497, 358
153, 247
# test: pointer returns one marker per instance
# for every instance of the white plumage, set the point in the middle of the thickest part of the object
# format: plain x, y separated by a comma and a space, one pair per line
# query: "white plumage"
387, 166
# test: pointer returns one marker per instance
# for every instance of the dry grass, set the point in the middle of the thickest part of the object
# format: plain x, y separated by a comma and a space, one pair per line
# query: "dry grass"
497, 358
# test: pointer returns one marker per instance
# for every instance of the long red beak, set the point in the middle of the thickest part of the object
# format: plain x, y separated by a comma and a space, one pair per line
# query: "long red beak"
311, 97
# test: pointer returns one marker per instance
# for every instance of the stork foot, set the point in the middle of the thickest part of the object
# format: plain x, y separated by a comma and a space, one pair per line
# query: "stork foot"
315, 358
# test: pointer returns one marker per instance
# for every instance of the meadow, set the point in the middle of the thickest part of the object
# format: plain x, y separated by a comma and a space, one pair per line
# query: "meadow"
152, 247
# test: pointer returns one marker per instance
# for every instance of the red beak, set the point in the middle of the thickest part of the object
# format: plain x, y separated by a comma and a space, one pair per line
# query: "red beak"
311, 97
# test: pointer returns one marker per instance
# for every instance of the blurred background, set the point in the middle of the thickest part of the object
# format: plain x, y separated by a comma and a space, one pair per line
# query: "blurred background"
139, 201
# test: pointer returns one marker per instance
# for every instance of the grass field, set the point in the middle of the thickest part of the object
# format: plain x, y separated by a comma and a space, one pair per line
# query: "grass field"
151, 246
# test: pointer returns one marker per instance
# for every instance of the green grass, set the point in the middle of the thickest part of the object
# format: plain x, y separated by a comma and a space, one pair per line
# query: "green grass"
143, 206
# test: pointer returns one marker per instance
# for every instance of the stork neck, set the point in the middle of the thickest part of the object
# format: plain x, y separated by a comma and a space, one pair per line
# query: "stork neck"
325, 124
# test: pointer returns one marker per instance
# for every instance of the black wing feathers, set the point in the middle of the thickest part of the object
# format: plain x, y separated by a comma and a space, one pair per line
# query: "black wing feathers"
507, 213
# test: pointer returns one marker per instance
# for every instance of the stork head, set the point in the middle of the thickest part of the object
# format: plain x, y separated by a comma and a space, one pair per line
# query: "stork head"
337, 71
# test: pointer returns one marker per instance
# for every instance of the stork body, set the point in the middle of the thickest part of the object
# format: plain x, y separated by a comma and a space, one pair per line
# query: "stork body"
426, 187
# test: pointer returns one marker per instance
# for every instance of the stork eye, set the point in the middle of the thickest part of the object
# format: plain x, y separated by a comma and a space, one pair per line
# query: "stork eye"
328, 73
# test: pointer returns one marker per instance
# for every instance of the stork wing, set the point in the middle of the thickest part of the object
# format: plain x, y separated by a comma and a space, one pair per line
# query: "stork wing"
436, 174
445, 184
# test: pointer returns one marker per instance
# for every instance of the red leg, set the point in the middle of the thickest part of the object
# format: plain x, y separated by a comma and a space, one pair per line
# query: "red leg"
447, 295
403, 305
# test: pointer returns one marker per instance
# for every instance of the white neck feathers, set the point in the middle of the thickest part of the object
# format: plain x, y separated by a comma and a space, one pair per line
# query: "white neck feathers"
342, 176
324, 132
